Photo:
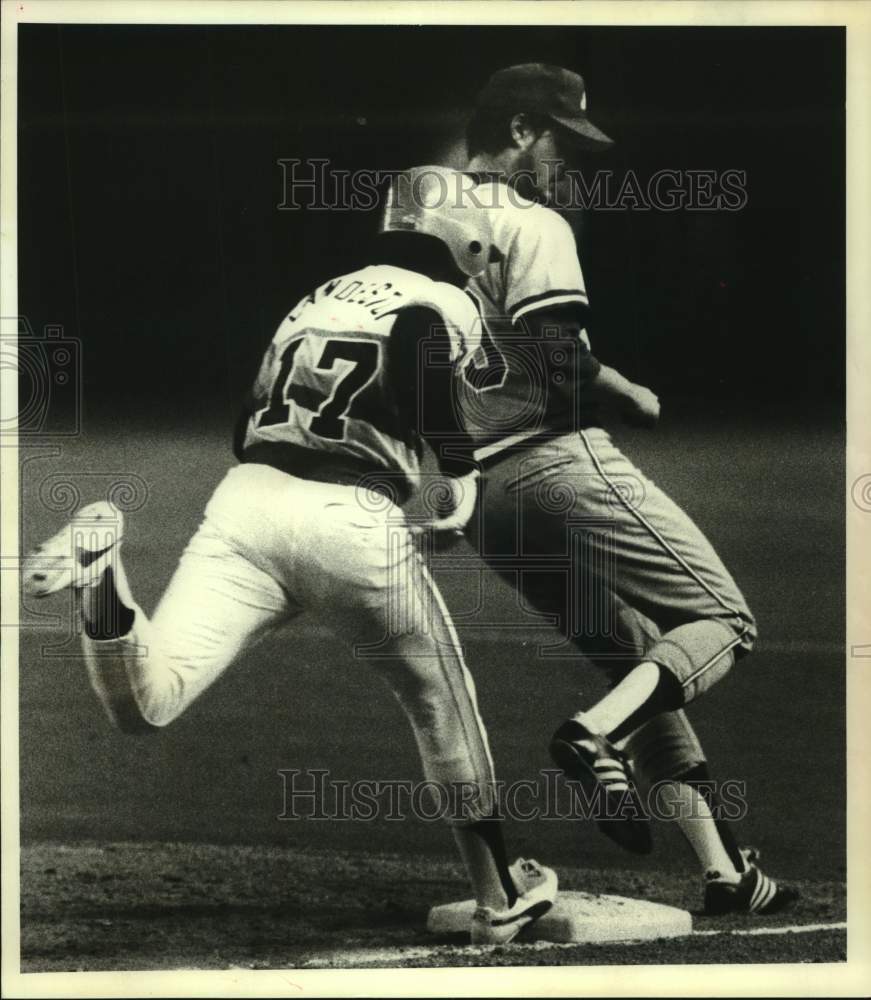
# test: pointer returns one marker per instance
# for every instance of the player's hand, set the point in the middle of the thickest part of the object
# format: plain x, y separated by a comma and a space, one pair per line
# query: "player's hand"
461, 505
641, 407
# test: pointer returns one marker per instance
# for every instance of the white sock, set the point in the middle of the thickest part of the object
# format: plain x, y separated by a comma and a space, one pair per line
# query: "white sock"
689, 809
627, 697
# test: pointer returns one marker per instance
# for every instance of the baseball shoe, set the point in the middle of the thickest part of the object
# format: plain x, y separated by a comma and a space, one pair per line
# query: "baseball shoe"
755, 893
605, 775
78, 555
537, 886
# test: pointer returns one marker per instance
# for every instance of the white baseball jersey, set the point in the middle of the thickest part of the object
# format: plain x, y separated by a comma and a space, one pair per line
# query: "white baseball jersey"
538, 269
539, 265
323, 384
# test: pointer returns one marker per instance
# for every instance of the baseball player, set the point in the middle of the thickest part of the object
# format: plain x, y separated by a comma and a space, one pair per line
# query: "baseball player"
311, 520
671, 620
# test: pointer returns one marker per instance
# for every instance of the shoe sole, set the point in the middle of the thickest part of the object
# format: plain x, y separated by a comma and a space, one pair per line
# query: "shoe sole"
782, 901
631, 834
520, 922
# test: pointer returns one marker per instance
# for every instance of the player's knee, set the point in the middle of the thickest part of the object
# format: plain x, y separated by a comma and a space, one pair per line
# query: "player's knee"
120, 701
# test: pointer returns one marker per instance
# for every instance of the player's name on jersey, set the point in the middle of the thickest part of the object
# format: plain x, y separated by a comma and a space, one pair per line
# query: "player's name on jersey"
376, 296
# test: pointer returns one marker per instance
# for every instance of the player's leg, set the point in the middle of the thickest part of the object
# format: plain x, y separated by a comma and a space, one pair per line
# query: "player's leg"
665, 567
665, 751
523, 529
528, 500
669, 758
653, 557
425, 668
217, 604
146, 671
366, 568
667, 754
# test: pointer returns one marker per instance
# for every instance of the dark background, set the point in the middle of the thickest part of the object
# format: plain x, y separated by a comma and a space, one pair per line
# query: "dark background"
148, 193
149, 186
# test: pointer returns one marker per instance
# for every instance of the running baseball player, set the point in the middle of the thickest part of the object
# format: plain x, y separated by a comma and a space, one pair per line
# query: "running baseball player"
311, 520
673, 620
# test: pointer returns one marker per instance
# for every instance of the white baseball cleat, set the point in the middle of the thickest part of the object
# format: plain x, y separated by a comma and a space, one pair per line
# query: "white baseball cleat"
77, 556
537, 886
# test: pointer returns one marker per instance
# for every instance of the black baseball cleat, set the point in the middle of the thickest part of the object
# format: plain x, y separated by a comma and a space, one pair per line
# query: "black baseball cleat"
755, 893
605, 775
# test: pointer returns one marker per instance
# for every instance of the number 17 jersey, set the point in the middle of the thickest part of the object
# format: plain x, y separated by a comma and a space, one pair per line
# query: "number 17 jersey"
326, 382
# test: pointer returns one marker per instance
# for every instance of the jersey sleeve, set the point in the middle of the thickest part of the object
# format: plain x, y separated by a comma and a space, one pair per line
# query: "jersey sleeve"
541, 268
461, 317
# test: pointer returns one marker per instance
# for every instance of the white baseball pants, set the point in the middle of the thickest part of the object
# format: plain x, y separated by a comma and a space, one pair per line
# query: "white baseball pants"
270, 546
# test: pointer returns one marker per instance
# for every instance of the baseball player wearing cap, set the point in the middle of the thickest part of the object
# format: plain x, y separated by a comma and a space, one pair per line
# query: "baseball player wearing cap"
310, 521
671, 620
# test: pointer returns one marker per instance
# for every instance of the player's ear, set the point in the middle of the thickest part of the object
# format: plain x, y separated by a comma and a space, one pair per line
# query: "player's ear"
523, 134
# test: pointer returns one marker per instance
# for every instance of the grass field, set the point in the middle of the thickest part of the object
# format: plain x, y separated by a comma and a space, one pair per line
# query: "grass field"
168, 851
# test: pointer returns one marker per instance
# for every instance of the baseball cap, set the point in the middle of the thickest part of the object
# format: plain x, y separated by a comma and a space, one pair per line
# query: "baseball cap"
550, 90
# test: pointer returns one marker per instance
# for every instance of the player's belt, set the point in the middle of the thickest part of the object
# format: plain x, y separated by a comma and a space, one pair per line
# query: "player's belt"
327, 467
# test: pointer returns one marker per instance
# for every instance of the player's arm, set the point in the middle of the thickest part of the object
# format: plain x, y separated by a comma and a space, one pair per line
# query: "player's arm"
637, 404
547, 301
576, 376
422, 374
422, 371
560, 332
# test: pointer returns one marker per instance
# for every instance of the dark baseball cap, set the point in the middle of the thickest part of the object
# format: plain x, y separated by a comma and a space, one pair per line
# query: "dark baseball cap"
547, 90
